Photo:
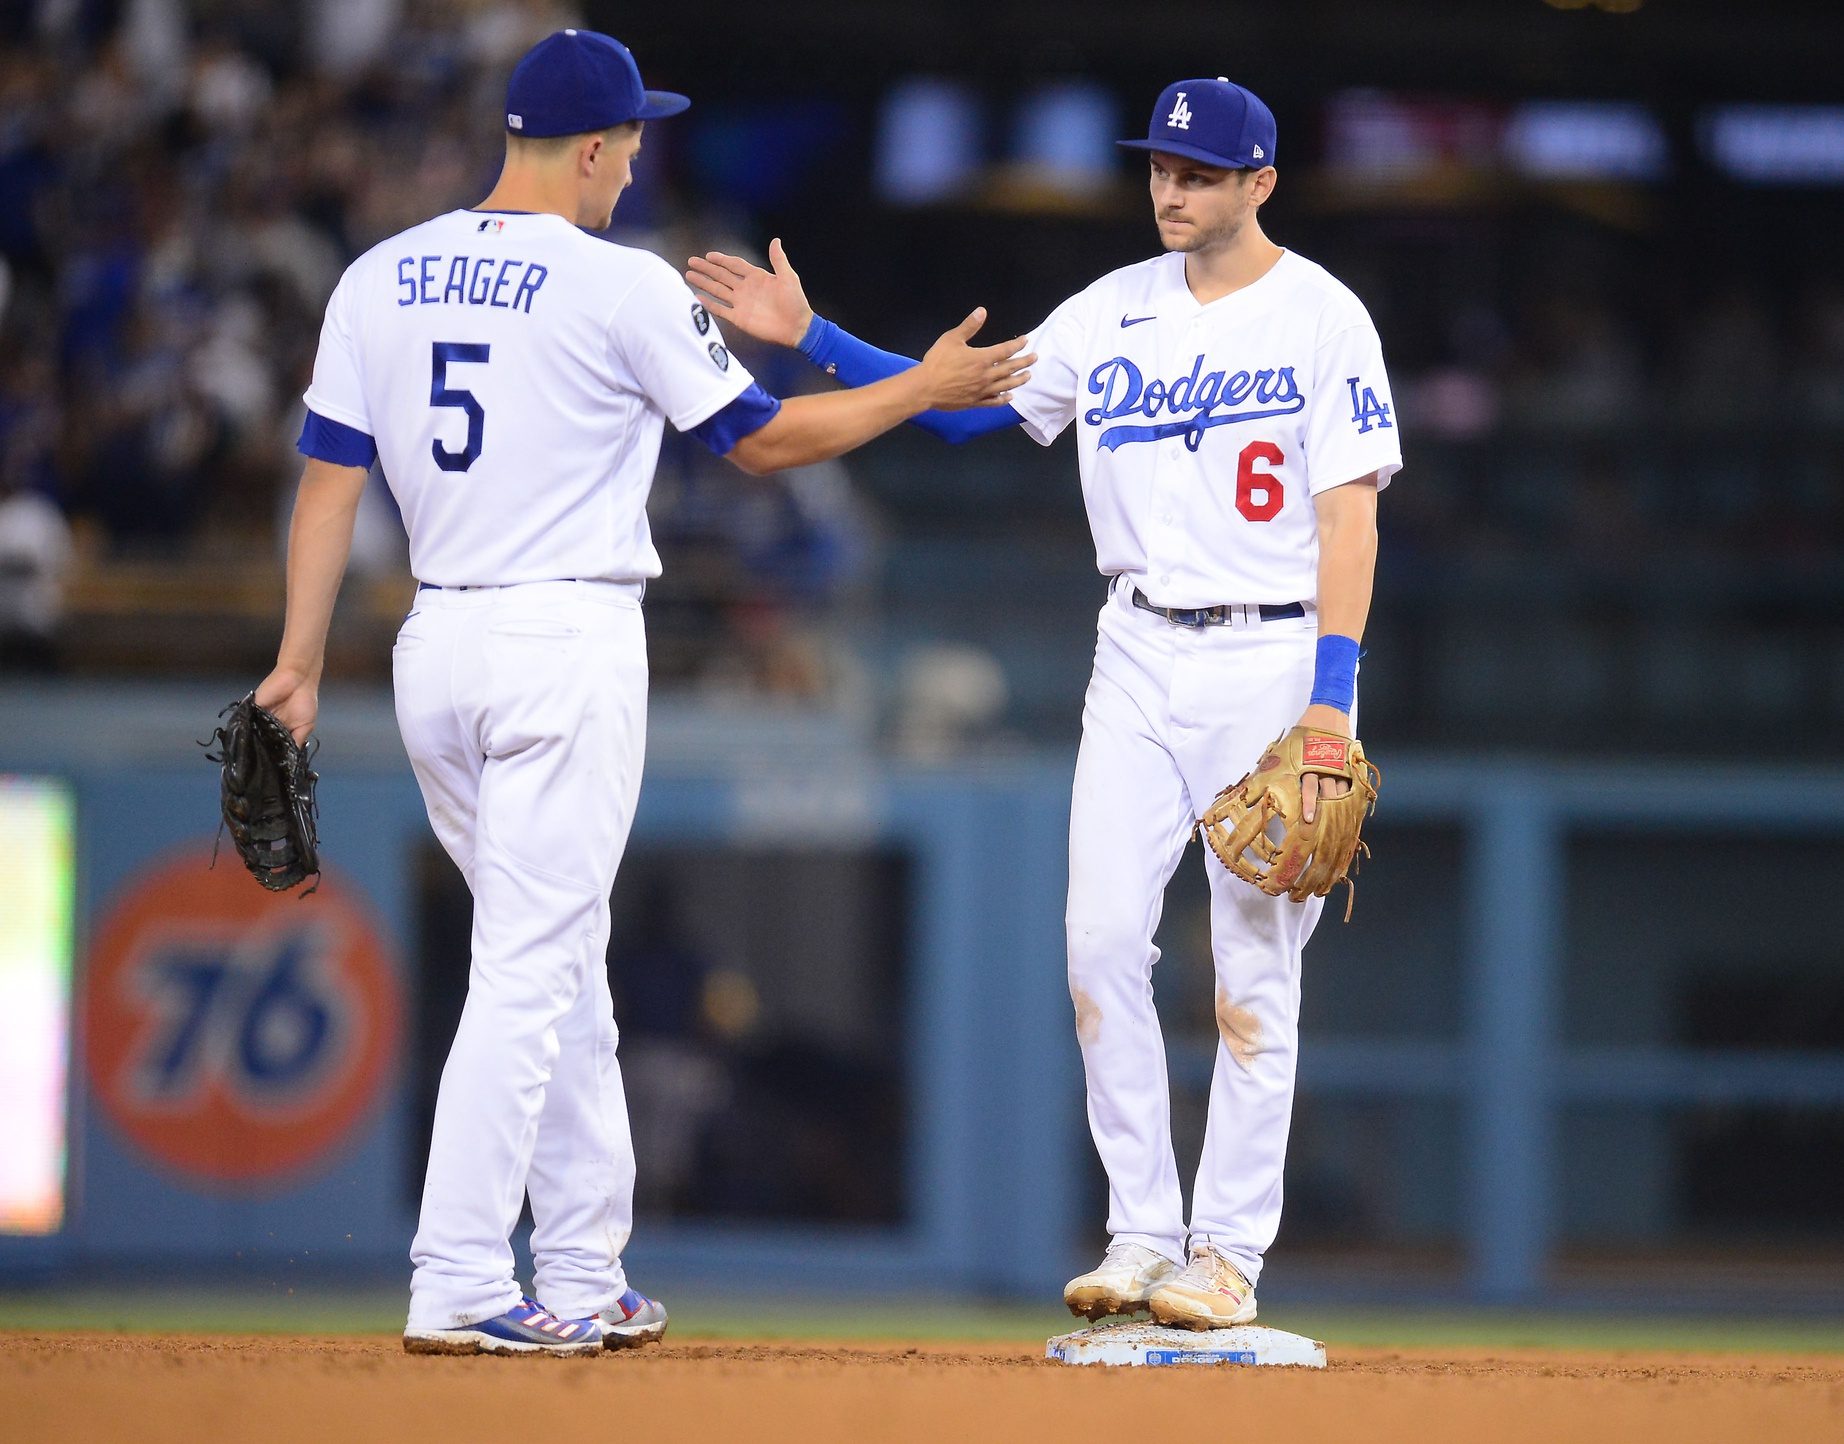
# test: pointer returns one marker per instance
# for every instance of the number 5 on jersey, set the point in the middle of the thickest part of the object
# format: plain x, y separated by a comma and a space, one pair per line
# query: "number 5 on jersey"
443, 355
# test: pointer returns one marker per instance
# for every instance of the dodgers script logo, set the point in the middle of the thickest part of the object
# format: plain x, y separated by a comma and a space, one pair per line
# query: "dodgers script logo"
1192, 399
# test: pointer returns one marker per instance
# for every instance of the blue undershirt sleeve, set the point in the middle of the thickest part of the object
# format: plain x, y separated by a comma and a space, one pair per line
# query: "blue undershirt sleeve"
858, 363
327, 440
753, 409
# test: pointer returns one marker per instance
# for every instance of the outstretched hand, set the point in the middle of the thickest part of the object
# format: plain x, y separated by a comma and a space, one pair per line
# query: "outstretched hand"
768, 305
958, 376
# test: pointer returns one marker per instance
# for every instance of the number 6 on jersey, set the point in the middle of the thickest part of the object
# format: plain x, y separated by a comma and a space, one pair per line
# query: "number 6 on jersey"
1249, 482
442, 394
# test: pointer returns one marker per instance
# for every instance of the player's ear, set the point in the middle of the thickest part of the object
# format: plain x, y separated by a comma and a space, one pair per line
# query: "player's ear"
1261, 184
591, 152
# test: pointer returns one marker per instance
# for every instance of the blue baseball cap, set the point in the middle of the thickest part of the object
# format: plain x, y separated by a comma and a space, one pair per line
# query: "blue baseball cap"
577, 81
1215, 121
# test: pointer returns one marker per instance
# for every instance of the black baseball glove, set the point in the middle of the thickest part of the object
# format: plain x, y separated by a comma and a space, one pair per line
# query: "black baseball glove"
267, 795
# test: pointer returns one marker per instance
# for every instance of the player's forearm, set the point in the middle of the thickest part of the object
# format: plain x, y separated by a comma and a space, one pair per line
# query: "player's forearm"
1347, 568
856, 362
1347, 525
1347, 574
319, 543
817, 428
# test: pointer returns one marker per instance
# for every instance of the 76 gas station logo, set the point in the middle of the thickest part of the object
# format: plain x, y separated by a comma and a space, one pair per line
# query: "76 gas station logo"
264, 1016
233, 1036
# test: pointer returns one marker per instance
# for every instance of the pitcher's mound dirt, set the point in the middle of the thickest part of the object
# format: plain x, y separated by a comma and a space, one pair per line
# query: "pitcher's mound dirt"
151, 1389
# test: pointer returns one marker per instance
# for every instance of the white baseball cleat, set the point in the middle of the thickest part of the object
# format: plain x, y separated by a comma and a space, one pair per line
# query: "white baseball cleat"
1128, 1274
632, 1320
1211, 1293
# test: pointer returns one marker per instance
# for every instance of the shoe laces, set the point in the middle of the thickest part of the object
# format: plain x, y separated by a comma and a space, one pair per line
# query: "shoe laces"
1128, 1255
1212, 1270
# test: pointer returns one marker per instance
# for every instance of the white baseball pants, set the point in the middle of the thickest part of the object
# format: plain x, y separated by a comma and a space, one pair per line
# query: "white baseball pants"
1173, 715
523, 709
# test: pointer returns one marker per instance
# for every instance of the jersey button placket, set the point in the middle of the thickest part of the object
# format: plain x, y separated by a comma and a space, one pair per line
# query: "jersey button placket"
1158, 495
1174, 475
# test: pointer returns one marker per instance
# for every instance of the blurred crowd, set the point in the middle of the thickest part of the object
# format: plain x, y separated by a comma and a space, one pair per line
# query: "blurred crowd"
180, 188
1618, 432
181, 184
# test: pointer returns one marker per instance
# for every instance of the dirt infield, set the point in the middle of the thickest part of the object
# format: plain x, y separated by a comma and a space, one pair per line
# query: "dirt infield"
156, 1388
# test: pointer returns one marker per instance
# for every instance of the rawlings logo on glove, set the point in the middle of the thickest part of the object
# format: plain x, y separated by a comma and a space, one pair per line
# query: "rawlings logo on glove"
267, 796
1308, 859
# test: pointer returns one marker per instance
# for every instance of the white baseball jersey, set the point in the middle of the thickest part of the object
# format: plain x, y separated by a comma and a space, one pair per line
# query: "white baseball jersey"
516, 373
1203, 431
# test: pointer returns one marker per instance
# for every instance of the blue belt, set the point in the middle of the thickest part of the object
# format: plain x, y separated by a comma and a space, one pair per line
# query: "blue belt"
1215, 616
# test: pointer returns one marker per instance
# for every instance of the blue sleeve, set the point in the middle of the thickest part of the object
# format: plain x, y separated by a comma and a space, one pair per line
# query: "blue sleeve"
858, 363
327, 440
753, 409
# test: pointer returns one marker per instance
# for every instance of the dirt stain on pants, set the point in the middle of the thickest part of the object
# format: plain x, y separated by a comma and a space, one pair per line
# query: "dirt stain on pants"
1241, 1030
1088, 1016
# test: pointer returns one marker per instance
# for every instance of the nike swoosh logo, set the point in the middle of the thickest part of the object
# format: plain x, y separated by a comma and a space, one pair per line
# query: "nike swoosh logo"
1126, 321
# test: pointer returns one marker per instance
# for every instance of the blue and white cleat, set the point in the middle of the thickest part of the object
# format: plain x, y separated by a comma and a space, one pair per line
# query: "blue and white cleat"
525, 1328
632, 1320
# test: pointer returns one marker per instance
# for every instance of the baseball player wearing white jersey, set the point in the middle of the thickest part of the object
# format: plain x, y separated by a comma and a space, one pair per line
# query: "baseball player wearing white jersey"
513, 375
1234, 426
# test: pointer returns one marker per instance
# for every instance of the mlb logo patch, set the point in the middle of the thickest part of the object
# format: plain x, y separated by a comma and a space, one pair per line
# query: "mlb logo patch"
491, 224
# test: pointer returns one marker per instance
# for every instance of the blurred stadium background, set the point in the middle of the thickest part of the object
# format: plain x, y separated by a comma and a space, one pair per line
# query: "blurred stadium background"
1583, 1043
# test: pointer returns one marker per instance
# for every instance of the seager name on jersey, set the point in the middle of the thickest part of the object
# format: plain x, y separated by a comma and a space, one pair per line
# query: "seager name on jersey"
500, 281
1192, 399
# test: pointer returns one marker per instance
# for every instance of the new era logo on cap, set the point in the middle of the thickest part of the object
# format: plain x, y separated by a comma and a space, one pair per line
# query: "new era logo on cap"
515, 122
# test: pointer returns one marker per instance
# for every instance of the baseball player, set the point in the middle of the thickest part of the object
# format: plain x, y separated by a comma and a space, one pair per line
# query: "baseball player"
1234, 426
513, 375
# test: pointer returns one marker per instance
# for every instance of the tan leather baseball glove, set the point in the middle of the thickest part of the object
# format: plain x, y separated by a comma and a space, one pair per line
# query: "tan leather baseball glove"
1301, 859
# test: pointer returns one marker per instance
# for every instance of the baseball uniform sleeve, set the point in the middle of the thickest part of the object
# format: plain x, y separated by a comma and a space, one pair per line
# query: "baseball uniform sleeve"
1047, 402
337, 391
672, 348
1351, 428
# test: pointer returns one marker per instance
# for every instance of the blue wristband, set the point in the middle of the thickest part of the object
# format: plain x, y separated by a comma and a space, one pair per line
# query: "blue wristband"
1335, 673
816, 345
